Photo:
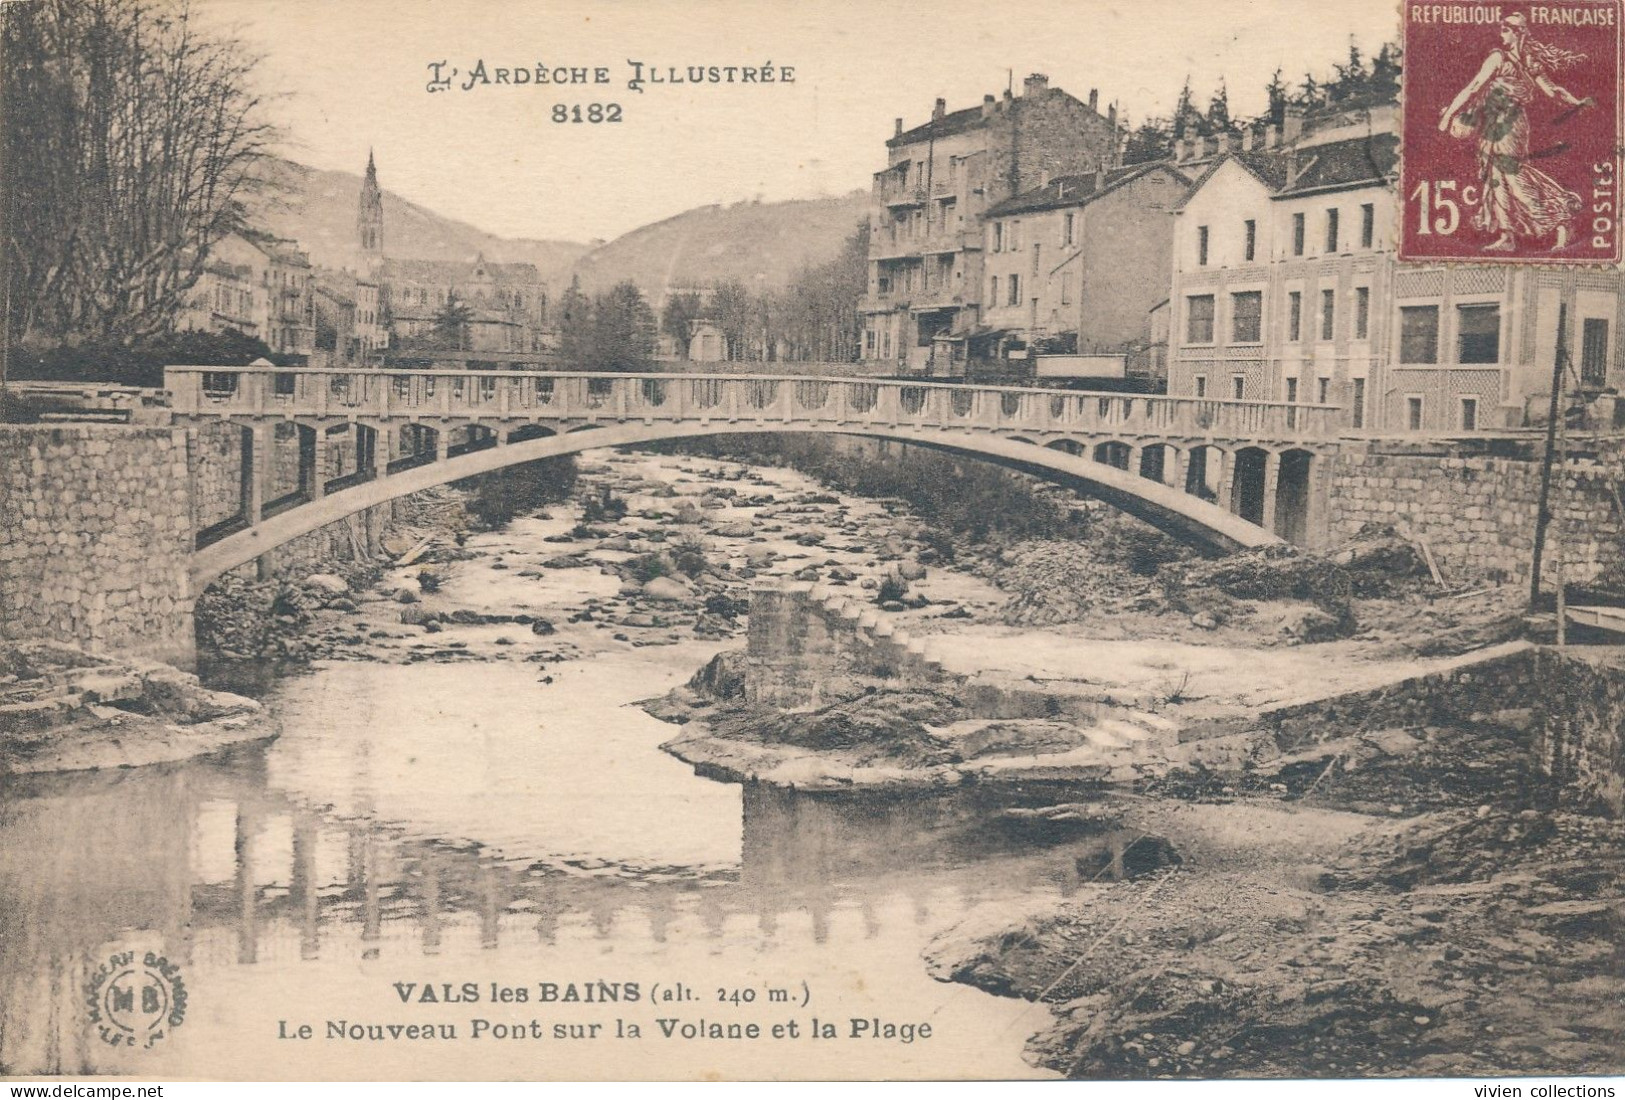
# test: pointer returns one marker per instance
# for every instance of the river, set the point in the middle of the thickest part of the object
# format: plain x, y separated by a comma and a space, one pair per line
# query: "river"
504, 823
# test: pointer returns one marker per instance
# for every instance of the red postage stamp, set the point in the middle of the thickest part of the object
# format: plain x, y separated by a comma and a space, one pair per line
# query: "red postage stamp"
1511, 146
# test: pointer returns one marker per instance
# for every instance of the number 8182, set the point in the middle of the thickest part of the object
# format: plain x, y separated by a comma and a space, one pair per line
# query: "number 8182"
592, 112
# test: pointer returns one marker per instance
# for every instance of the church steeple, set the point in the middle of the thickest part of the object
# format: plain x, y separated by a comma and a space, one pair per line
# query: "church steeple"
370, 219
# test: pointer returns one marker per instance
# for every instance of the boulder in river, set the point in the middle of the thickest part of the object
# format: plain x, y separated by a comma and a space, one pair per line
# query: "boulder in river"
327, 583
664, 588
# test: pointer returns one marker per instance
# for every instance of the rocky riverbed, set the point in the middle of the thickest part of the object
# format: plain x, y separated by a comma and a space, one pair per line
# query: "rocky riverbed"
1386, 901
63, 710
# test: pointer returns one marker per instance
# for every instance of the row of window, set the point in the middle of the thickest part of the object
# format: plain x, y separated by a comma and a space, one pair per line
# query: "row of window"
1247, 316
1013, 289
1007, 235
1323, 386
1368, 234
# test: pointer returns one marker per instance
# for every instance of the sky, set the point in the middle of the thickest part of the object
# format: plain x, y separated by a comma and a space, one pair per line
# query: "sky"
346, 76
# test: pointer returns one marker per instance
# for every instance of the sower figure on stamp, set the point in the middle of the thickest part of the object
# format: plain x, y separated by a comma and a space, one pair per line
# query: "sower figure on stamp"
1519, 199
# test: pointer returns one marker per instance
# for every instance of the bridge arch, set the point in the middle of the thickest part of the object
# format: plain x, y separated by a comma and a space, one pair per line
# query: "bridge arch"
1164, 506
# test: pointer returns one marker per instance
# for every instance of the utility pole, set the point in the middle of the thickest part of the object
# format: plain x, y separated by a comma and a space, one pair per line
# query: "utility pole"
1543, 514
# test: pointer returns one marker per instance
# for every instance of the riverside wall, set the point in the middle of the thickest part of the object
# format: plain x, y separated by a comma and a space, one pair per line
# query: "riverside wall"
1473, 501
96, 538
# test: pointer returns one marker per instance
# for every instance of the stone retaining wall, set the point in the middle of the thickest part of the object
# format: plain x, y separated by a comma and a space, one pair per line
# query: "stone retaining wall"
1572, 702
1474, 503
96, 538
809, 648
1581, 707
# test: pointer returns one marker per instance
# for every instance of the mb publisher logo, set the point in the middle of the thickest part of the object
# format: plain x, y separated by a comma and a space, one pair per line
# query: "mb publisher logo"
135, 1001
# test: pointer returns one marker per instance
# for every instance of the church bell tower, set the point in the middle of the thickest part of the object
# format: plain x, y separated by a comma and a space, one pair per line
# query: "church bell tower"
370, 221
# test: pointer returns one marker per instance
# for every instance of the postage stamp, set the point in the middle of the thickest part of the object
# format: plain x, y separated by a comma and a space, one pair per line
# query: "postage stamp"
1511, 132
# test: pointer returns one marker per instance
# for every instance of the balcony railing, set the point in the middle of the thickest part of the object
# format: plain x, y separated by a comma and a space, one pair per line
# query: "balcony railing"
527, 396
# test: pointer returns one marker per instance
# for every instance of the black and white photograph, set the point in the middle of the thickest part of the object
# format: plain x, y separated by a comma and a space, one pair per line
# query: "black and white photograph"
571, 540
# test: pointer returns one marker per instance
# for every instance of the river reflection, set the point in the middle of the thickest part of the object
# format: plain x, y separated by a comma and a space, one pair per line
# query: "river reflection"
498, 836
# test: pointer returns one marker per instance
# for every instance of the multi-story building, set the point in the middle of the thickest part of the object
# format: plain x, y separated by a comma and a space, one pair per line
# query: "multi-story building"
1076, 265
507, 303
260, 287
228, 294
925, 234
1285, 288
290, 318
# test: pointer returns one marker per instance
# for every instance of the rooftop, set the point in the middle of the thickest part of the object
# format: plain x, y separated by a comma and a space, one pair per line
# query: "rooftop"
1336, 166
454, 271
1079, 190
948, 123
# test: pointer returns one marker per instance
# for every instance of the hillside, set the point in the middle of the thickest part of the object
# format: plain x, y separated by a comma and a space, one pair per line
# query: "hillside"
759, 244
318, 209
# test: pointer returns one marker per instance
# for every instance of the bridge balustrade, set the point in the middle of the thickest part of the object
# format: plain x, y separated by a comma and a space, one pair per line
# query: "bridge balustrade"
523, 396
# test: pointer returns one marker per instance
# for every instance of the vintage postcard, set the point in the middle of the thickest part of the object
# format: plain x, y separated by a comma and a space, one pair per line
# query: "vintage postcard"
714, 540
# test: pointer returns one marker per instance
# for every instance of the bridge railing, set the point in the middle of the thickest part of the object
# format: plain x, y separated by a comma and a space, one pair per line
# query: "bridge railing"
523, 396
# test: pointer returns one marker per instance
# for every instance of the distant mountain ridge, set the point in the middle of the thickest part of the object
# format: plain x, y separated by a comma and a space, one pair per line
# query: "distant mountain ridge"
761, 245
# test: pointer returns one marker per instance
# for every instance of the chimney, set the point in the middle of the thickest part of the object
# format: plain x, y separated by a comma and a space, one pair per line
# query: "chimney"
1272, 137
1100, 178
1036, 84
1247, 140
1111, 116
899, 131
1291, 170
1292, 129
1007, 97
1094, 100
987, 105
940, 109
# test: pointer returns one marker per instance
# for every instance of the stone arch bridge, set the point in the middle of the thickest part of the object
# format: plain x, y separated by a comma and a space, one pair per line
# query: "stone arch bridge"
1225, 474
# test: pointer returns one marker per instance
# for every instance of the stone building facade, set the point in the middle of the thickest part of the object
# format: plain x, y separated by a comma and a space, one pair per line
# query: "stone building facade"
925, 234
260, 287
1079, 262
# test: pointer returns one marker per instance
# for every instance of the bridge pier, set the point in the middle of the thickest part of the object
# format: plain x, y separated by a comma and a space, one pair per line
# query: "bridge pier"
1182, 470
383, 446
1226, 478
318, 464
1272, 485
257, 460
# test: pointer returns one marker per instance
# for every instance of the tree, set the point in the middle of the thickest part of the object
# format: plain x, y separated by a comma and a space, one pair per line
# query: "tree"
1152, 140
1385, 69
623, 330
1351, 76
730, 308
1277, 96
816, 317
1218, 110
1184, 111
1311, 95
132, 141
681, 309
451, 323
575, 326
